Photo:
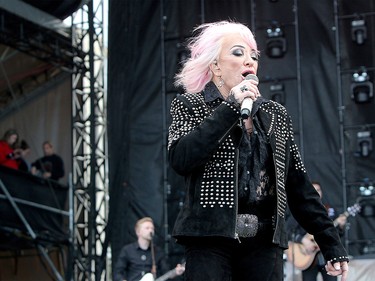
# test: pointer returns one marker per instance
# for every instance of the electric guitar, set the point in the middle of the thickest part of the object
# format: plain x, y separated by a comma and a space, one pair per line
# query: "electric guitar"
170, 274
296, 252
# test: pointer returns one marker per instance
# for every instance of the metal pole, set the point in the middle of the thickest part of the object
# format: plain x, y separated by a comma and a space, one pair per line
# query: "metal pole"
341, 111
166, 186
299, 84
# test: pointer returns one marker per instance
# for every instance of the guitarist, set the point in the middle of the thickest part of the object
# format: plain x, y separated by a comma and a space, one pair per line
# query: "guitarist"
142, 257
299, 235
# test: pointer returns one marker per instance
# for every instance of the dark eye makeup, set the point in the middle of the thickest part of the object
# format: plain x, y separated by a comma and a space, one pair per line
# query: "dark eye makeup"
254, 55
240, 52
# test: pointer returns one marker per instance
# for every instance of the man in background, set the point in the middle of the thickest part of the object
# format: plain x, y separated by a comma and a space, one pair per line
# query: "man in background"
50, 166
138, 259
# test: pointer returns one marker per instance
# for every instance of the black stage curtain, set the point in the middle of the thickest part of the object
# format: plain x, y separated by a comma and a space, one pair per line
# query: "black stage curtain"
134, 115
138, 102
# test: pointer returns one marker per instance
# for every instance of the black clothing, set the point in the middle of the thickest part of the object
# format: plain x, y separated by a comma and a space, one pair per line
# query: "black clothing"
203, 142
296, 234
53, 164
311, 273
23, 166
134, 262
224, 259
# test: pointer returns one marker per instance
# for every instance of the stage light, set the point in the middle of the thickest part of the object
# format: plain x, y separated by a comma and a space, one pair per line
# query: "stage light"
366, 188
369, 248
277, 93
367, 204
364, 143
276, 42
366, 201
359, 31
361, 87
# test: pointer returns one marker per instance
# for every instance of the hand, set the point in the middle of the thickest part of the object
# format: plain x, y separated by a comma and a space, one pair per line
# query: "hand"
17, 153
309, 244
340, 221
338, 268
180, 269
34, 170
246, 89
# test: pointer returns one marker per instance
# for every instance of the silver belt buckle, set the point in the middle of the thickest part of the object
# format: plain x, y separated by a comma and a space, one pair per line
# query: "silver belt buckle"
247, 225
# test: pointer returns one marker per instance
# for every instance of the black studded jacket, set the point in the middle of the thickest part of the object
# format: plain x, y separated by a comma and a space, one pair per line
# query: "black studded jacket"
203, 144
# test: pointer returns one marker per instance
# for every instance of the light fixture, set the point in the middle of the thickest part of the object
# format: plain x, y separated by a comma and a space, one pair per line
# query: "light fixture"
276, 42
277, 93
367, 207
361, 87
364, 143
366, 188
366, 201
369, 248
359, 31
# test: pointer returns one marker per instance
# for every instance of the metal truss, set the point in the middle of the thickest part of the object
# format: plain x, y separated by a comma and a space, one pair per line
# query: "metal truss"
81, 53
34, 33
90, 168
47, 43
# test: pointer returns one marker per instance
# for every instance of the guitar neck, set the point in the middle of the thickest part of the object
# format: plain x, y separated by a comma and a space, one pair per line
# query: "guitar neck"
346, 214
351, 211
170, 274
166, 276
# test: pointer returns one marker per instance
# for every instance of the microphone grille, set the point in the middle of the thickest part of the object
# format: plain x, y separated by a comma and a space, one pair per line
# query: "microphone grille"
252, 77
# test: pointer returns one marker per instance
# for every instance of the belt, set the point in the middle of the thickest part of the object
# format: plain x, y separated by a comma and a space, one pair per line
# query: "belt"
248, 225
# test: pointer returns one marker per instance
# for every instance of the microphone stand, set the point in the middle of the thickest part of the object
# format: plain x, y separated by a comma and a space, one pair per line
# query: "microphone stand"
293, 255
153, 268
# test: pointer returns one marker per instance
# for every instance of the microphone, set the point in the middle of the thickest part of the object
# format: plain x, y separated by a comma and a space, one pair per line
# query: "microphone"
247, 103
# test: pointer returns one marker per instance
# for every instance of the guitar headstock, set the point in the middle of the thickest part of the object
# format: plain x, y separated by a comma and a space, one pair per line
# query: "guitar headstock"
353, 210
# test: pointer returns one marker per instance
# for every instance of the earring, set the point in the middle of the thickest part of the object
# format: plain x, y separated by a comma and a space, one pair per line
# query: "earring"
221, 82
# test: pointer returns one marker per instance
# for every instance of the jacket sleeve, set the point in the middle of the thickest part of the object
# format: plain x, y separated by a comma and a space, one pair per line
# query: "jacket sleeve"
295, 231
307, 208
193, 139
119, 270
36, 164
58, 169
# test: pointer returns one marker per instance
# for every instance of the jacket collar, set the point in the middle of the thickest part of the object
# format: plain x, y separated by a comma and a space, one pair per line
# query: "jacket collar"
211, 93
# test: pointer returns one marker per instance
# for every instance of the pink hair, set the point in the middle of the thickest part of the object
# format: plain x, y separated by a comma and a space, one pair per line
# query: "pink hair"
205, 49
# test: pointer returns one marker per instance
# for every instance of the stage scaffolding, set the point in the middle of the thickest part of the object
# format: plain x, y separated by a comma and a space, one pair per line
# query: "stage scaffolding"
79, 51
89, 127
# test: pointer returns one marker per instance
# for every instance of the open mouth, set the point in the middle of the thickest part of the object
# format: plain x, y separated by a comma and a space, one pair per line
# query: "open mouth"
244, 74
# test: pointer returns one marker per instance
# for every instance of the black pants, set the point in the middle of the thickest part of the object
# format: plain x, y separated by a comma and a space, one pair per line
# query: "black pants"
223, 259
